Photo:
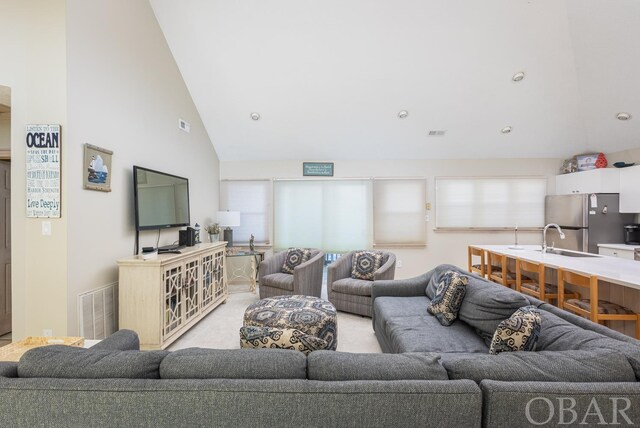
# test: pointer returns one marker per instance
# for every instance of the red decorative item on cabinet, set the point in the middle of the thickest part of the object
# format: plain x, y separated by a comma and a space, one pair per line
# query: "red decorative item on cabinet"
601, 162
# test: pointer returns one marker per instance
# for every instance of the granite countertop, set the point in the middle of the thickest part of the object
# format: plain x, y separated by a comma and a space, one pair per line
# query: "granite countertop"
611, 269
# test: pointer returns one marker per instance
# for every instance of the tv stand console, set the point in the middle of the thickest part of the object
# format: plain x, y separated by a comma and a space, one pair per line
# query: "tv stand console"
163, 297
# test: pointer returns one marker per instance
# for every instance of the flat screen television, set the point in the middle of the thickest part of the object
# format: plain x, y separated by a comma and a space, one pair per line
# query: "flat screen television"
161, 199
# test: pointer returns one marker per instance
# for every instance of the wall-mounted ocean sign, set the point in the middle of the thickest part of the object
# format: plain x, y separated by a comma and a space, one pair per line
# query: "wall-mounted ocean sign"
43, 170
318, 169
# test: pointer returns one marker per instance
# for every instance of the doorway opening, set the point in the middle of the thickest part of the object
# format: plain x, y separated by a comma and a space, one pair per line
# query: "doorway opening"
5, 215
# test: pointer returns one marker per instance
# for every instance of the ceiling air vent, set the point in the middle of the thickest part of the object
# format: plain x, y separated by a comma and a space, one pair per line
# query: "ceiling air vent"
433, 133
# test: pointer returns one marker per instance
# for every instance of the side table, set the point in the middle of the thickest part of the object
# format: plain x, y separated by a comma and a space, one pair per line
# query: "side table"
240, 272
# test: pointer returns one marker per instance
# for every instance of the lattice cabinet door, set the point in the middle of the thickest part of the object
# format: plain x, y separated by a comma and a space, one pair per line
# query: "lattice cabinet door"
208, 273
219, 283
173, 302
191, 288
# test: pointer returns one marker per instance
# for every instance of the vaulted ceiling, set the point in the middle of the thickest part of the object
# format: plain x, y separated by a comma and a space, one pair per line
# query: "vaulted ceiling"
328, 78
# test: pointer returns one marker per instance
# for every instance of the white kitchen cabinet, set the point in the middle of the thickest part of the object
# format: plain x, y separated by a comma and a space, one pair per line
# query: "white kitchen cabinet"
616, 252
601, 180
630, 189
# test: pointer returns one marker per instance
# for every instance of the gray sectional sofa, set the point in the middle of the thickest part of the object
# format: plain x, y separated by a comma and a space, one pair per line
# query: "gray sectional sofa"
115, 385
575, 362
582, 374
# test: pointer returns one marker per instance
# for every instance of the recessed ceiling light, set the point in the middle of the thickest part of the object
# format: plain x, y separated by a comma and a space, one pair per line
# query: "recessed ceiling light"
623, 116
506, 130
255, 116
518, 76
402, 114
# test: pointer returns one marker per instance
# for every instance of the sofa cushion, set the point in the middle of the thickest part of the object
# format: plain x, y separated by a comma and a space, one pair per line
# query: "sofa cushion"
448, 299
59, 361
517, 333
341, 366
386, 307
283, 281
295, 257
487, 304
364, 264
598, 365
423, 333
557, 334
121, 340
198, 363
280, 338
358, 287
8, 369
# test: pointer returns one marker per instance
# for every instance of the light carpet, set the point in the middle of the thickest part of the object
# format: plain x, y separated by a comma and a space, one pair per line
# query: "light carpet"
220, 329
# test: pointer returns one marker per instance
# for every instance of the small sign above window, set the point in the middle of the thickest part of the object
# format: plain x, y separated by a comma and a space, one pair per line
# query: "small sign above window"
318, 169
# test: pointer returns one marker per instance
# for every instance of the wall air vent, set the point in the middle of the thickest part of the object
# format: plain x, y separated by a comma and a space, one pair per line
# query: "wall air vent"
98, 312
434, 133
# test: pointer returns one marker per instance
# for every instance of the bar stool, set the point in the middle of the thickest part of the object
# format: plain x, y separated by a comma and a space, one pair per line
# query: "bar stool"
598, 312
534, 283
480, 269
497, 269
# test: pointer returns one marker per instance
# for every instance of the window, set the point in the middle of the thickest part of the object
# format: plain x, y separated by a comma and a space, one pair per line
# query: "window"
334, 215
399, 211
252, 199
496, 202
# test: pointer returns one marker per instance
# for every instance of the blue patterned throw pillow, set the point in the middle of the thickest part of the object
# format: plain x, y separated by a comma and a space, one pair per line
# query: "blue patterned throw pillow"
449, 296
365, 264
295, 257
520, 332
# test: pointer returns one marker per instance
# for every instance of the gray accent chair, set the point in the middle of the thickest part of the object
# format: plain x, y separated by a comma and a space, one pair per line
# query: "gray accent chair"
306, 279
354, 295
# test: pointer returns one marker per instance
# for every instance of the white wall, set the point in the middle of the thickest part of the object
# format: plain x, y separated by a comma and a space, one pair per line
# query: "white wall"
33, 65
628, 156
103, 71
125, 94
442, 247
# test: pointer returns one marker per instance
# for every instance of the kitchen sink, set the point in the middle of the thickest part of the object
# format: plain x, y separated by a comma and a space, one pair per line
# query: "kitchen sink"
569, 253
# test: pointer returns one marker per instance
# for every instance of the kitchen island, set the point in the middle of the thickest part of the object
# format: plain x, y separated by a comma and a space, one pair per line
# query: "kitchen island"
619, 278
610, 269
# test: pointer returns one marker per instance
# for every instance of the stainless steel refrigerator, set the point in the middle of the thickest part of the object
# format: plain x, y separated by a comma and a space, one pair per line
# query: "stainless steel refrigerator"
586, 220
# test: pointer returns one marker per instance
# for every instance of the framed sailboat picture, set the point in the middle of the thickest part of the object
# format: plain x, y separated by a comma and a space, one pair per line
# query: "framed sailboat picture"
97, 168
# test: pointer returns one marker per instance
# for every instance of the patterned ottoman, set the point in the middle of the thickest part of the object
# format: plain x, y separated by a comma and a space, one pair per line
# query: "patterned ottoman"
303, 323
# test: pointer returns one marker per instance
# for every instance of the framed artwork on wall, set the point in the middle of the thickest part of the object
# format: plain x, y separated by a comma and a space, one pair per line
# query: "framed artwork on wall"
97, 168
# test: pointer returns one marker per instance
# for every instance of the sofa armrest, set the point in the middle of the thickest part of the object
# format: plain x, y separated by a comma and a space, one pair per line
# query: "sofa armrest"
339, 269
401, 287
121, 340
560, 403
307, 276
271, 265
387, 270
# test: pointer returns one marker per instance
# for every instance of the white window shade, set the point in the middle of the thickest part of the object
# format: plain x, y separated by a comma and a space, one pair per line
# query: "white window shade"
252, 198
490, 203
399, 210
333, 215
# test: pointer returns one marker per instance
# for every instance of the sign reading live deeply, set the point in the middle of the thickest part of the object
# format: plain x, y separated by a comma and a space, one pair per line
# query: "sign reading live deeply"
43, 170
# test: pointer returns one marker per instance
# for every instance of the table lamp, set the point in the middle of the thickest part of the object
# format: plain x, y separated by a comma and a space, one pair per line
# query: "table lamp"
228, 219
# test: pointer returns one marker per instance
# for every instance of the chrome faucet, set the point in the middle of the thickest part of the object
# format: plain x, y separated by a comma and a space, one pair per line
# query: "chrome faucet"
544, 235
